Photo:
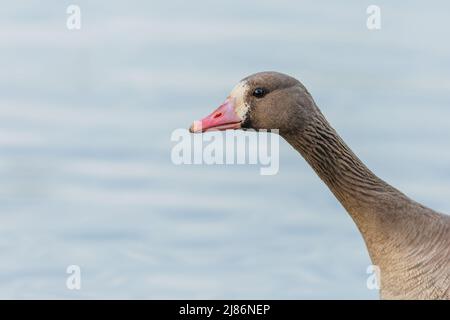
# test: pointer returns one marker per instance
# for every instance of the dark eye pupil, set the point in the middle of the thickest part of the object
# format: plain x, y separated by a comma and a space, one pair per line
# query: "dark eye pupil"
259, 92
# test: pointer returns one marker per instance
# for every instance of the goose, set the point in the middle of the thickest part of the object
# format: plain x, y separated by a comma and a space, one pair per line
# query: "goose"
408, 242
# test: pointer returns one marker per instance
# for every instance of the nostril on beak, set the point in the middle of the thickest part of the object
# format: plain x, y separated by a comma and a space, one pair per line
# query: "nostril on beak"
217, 115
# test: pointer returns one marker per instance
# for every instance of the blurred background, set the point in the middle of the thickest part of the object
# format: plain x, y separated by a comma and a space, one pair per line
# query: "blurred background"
86, 116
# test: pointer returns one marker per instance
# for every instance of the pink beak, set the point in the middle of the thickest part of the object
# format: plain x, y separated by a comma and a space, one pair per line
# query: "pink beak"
223, 118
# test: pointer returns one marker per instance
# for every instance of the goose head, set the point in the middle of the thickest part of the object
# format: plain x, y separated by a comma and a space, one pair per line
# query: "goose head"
265, 100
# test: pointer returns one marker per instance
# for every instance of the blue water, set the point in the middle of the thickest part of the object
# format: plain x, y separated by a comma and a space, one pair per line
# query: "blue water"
85, 122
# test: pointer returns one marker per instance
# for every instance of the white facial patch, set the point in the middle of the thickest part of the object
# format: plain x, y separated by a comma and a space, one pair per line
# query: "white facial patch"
238, 93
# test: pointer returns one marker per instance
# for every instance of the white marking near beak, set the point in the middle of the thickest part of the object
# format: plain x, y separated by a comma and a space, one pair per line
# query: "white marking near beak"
238, 93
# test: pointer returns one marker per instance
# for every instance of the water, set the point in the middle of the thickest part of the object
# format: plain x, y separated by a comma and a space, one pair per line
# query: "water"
85, 124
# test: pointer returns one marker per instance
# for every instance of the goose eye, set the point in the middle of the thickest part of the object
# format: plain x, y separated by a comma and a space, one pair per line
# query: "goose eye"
259, 92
